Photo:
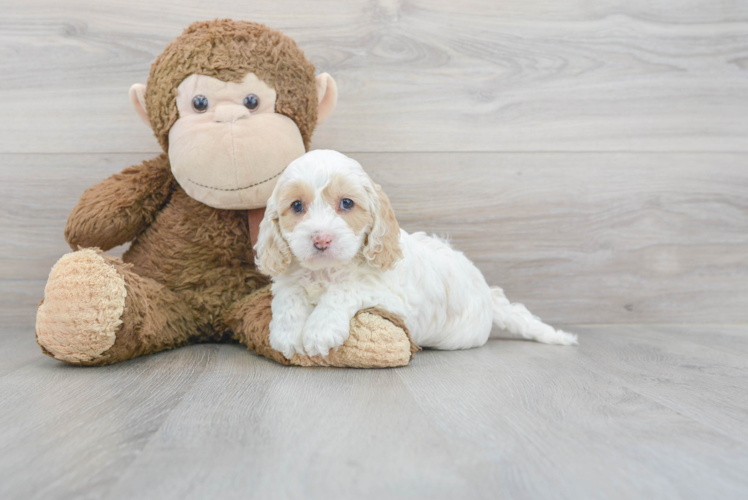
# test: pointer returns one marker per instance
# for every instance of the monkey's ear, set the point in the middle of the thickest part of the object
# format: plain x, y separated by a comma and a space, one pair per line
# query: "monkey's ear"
327, 96
137, 99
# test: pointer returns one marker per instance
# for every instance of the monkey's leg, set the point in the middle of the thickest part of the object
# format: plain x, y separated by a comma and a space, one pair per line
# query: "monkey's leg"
96, 311
377, 340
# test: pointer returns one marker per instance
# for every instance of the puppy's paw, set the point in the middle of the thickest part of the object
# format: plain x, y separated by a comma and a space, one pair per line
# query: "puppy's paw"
287, 341
325, 330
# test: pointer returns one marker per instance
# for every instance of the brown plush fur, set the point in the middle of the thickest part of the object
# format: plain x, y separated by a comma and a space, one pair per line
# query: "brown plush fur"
228, 50
155, 318
128, 201
189, 272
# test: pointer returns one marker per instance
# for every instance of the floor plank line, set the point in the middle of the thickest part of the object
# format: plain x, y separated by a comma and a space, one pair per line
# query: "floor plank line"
707, 385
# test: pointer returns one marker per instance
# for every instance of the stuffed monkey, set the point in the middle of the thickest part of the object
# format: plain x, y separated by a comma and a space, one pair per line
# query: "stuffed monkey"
232, 104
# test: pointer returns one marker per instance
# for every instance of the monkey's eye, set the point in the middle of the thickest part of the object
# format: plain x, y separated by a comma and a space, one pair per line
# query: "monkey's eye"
200, 103
251, 102
297, 207
346, 204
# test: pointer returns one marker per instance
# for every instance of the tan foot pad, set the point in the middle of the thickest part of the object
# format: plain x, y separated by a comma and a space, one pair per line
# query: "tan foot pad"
83, 304
374, 342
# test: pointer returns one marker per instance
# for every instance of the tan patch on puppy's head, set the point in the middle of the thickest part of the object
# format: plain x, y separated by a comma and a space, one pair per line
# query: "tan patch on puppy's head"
290, 193
358, 217
273, 253
382, 248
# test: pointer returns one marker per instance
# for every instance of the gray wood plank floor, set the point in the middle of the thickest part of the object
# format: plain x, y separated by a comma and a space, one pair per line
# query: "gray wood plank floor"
633, 412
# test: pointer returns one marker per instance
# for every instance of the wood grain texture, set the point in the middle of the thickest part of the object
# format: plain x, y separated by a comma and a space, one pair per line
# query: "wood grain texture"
672, 370
579, 238
417, 75
633, 412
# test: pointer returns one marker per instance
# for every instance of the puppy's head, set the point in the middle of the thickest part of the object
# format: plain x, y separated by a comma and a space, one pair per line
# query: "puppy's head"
323, 212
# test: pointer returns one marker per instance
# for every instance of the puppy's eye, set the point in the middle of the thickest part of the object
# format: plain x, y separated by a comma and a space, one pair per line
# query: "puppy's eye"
346, 204
251, 102
200, 103
297, 207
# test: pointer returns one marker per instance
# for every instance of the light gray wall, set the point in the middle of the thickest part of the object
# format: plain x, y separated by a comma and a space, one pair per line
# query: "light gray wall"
590, 156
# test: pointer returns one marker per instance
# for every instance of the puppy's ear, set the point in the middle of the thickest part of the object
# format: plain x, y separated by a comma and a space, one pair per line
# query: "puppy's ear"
382, 247
273, 254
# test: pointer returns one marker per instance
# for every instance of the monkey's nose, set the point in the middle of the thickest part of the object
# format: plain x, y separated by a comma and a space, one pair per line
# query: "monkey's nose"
229, 113
321, 241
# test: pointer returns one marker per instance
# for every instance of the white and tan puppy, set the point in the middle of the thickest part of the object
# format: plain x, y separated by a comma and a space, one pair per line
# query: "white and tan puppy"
331, 242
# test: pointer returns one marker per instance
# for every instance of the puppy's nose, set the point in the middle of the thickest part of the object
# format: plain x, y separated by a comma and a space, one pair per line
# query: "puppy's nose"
321, 240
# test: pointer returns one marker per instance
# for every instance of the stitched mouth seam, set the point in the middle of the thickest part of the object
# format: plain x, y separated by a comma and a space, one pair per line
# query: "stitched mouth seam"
238, 189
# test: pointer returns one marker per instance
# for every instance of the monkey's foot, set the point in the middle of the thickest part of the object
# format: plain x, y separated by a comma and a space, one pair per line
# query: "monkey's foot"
82, 308
377, 340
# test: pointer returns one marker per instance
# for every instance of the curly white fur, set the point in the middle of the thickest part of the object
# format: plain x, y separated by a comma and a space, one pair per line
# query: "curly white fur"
318, 287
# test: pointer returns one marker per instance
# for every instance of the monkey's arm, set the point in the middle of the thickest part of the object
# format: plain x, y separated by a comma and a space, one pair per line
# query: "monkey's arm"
119, 208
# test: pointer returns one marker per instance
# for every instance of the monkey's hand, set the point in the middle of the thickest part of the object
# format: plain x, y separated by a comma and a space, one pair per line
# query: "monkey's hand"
119, 208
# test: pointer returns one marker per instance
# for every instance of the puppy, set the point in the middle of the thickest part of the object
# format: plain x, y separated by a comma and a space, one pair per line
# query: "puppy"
330, 240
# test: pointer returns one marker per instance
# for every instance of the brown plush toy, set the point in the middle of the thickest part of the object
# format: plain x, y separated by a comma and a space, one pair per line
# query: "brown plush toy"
232, 104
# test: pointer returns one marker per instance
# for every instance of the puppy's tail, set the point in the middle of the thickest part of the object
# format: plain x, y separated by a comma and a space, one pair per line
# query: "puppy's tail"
517, 320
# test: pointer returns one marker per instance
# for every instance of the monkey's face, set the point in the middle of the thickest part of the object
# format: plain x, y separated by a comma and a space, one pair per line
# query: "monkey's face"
229, 146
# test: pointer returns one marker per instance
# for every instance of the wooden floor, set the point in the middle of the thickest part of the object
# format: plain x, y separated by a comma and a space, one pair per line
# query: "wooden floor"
633, 412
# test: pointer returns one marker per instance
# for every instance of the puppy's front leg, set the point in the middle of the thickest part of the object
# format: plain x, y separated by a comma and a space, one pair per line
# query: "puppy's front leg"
291, 309
328, 326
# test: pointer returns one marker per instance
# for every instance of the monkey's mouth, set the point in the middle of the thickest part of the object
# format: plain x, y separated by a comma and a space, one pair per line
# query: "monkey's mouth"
239, 188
